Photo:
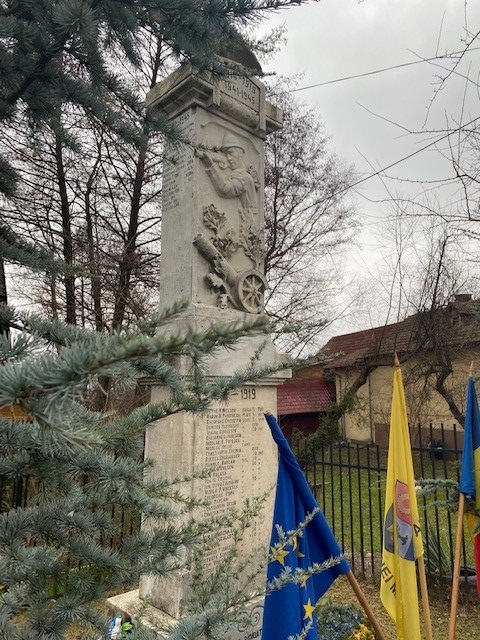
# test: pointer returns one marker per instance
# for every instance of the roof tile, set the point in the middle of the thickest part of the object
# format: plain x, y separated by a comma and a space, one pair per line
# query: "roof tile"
458, 321
304, 396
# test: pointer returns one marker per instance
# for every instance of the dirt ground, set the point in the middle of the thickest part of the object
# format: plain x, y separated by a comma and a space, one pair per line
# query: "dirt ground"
468, 612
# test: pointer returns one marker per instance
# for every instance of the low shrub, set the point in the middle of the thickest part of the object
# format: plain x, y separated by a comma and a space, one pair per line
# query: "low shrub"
338, 621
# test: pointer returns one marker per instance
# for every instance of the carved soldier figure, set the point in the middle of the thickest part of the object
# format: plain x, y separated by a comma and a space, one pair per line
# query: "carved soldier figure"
242, 182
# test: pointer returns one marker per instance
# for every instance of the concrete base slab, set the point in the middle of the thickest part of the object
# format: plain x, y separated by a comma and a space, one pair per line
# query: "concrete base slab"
130, 606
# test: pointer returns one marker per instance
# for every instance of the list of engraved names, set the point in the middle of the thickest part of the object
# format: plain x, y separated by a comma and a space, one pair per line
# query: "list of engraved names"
233, 449
178, 172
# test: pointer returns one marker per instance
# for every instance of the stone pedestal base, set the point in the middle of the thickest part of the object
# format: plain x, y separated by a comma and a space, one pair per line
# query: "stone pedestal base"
232, 439
130, 605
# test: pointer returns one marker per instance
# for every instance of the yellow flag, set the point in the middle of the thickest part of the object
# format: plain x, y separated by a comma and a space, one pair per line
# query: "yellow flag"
402, 538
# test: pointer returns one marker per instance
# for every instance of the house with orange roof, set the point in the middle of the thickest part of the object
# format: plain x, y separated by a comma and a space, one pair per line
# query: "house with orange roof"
435, 347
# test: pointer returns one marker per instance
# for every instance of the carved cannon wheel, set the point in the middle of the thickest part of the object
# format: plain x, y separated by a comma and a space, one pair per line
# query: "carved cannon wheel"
250, 288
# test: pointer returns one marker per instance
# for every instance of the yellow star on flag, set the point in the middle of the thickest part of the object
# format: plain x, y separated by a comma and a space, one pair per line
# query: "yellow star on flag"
295, 546
279, 554
309, 609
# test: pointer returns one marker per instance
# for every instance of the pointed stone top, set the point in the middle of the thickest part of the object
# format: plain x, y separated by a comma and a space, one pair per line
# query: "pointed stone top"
239, 52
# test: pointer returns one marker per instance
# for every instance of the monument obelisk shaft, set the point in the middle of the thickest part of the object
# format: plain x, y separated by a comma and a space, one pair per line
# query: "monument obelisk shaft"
213, 259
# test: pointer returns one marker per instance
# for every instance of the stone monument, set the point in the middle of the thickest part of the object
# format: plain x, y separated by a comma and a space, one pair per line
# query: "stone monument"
212, 258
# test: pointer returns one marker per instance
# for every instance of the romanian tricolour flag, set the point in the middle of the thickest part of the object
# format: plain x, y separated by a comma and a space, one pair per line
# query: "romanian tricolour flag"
299, 544
402, 539
470, 473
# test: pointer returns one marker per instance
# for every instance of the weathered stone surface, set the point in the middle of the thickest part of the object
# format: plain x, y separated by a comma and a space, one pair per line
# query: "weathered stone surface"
213, 260
213, 185
233, 439
130, 605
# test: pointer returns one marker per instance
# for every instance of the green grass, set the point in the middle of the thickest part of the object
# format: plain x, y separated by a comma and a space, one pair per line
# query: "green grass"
350, 489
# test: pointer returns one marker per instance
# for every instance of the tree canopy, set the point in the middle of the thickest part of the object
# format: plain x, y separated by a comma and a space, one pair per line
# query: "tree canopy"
59, 57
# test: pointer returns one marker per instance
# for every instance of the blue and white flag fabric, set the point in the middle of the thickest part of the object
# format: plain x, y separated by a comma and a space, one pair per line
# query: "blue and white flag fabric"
298, 548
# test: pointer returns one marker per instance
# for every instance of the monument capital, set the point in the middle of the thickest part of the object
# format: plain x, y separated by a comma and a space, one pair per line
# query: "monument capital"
238, 98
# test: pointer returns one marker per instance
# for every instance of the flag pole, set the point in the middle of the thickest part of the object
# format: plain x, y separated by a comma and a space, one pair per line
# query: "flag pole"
366, 607
421, 570
424, 591
456, 568
456, 562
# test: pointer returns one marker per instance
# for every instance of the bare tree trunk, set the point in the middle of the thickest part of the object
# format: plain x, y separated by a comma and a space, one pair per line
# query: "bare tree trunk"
4, 329
53, 296
91, 248
344, 404
70, 314
128, 260
446, 394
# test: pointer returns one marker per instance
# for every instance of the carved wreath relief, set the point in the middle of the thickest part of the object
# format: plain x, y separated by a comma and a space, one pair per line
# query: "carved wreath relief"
232, 177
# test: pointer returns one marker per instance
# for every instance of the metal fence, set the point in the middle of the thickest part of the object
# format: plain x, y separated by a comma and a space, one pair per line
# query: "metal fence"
16, 493
349, 483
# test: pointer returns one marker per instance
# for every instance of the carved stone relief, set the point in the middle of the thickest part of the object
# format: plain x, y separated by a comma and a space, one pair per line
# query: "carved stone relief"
232, 177
243, 290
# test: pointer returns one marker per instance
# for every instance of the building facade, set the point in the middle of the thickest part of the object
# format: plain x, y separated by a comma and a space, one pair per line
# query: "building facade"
436, 349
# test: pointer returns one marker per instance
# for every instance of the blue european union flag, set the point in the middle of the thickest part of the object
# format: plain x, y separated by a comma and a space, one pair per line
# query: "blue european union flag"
290, 610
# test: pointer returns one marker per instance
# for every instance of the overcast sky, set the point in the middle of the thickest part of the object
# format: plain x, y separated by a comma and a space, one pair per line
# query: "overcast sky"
333, 39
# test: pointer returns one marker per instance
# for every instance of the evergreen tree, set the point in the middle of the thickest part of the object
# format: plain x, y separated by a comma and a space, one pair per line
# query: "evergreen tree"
57, 55
78, 468
98, 207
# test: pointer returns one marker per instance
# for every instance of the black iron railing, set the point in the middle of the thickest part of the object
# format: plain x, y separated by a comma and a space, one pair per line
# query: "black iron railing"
349, 479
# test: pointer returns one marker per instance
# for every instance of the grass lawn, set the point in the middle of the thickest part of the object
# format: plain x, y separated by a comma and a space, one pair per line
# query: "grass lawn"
349, 483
